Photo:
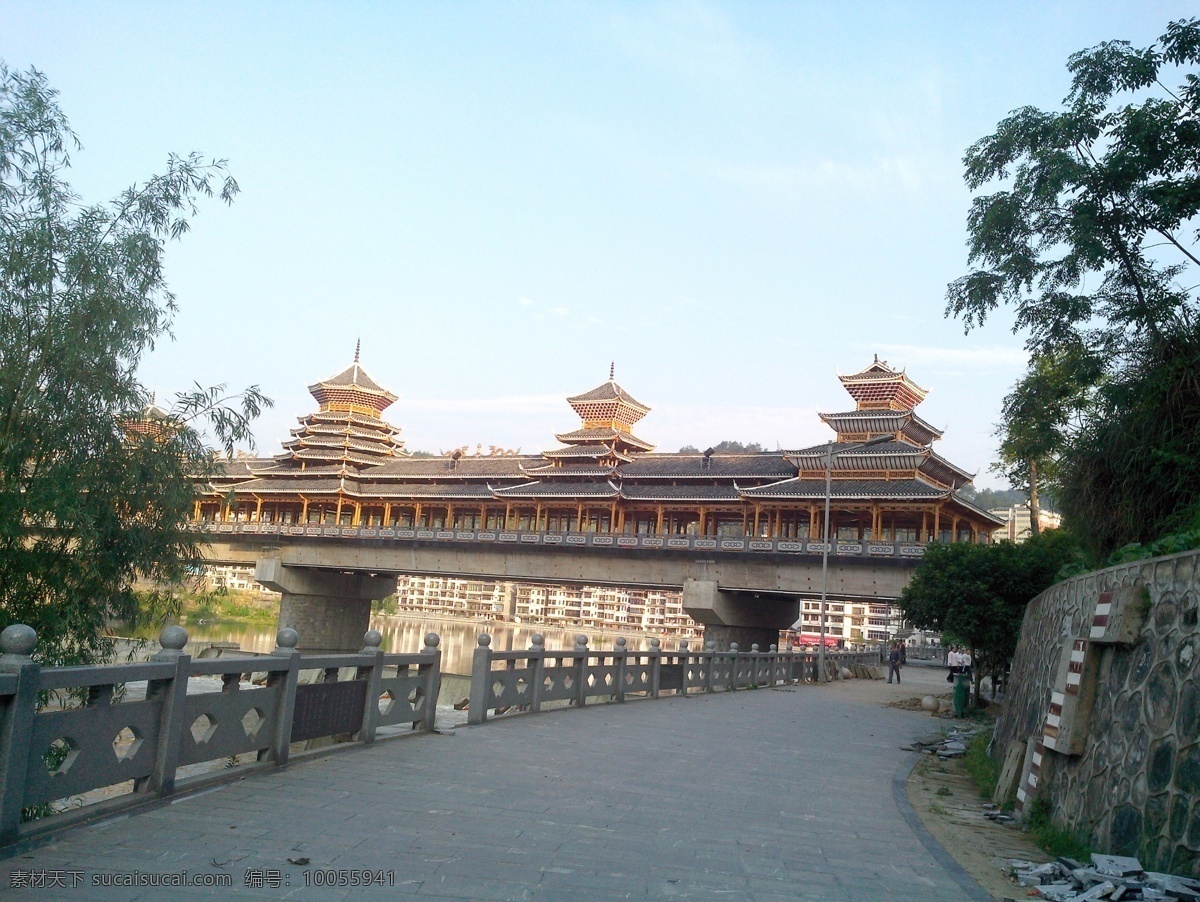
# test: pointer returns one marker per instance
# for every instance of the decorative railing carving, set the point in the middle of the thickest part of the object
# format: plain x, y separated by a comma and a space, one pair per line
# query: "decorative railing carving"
52, 754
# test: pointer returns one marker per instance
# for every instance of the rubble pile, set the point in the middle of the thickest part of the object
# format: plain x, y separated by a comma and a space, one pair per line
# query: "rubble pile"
944, 745
1112, 877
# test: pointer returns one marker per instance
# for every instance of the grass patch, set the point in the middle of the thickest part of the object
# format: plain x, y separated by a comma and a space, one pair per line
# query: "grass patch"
1055, 840
982, 769
943, 791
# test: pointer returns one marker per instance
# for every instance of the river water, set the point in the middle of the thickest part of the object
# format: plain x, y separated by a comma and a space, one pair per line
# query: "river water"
406, 633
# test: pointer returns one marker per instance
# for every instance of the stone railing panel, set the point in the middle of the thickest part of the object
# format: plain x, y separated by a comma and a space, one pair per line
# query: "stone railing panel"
109, 740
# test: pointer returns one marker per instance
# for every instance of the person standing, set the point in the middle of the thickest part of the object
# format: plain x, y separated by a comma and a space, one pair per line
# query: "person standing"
952, 661
894, 662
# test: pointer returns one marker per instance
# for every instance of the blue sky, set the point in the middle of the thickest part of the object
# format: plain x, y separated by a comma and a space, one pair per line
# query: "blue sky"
732, 201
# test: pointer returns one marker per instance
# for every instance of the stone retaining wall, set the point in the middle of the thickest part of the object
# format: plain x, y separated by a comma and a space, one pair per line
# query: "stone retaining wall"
1134, 788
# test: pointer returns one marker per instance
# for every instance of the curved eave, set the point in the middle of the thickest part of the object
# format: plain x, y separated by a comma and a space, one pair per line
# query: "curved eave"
570, 491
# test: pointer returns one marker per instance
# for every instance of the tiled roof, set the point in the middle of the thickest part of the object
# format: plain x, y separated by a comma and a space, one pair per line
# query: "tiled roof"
342, 416
849, 489
296, 486
764, 465
559, 490
609, 391
937, 467
681, 493
468, 490
550, 470
883, 421
447, 468
593, 451
353, 376
603, 434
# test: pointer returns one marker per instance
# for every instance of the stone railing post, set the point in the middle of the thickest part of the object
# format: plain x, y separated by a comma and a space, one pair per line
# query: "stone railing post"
16, 724
285, 680
685, 662
172, 693
620, 653
755, 658
733, 667
773, 664
655, 655
372, 673
537, 657
710, 650
581, 669
433, 681
481, 672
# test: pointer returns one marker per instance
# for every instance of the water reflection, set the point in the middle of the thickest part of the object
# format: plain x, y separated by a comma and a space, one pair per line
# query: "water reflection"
405, 633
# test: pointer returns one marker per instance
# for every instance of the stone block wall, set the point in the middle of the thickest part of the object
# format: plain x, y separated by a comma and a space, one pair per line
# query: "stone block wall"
1135, 787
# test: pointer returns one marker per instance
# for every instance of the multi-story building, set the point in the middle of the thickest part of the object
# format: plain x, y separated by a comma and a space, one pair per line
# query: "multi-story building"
1018, 520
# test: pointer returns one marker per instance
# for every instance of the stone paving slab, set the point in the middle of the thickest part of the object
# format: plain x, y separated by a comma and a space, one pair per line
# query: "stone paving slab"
755, 795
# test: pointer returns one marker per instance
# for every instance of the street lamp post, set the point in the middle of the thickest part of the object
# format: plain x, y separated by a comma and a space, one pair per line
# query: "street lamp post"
823, 676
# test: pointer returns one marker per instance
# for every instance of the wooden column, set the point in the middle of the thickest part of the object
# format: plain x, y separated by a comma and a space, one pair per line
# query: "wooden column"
579, 518
417, 515
701, 527
357, 514
449, 516
537, 517
954, 529
304, 511
658, 522
507, 515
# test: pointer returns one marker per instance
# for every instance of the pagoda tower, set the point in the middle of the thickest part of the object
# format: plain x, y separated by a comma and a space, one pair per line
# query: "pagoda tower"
605, 437
885, 400
347, 431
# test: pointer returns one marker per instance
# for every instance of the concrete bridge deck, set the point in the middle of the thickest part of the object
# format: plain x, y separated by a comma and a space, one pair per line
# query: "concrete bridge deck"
792, 793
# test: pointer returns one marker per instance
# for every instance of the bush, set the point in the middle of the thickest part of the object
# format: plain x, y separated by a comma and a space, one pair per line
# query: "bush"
1055, 840
983, 770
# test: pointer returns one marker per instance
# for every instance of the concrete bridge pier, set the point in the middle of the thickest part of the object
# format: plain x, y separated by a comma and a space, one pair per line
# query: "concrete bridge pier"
329, 609
741, 617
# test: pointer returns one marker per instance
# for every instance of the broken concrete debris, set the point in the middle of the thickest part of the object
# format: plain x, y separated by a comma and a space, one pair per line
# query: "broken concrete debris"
948, 745
1113, 877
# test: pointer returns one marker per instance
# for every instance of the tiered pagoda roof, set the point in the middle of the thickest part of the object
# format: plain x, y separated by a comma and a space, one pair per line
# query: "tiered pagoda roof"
347, 431
606, 435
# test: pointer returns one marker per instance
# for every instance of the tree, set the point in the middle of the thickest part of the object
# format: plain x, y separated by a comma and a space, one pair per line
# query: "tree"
1036, 418
977, 594
90, 506
726, 447
1092, 241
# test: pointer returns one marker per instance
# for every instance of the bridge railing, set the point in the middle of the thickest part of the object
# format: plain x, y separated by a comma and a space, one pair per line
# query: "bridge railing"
519, 681
95, 735
601, 541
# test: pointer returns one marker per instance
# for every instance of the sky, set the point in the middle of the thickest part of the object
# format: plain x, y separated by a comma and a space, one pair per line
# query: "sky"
731, 203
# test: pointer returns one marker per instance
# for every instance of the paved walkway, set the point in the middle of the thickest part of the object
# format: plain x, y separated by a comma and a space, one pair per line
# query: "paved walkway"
764, 795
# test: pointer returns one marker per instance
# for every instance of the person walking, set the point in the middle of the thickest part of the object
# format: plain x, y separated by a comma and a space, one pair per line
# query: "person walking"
894, 662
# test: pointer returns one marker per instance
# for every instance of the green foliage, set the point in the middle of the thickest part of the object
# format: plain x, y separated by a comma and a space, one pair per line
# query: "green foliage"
1056, 841
1092, 241
984, 772
726, 447
993, 498
977, 594
88, 508
386, 606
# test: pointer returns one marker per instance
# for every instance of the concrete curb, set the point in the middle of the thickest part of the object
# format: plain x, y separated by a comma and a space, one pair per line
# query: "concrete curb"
935, 848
